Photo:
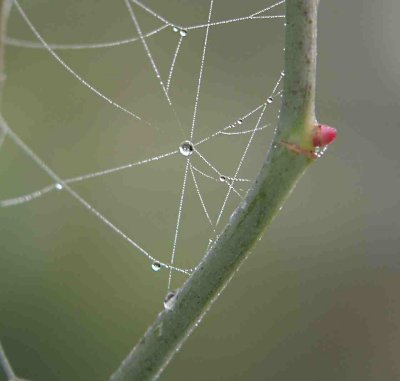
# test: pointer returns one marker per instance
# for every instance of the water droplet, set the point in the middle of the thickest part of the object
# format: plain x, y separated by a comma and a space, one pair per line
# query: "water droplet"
269, 100
59, 186
282, 73
156, 266
175, 29
169, 300
186, 148
183, 32
222, 178
240, 121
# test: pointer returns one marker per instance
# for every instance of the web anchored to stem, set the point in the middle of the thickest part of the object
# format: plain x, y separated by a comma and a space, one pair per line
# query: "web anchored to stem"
282, 168
292, 150
231, 129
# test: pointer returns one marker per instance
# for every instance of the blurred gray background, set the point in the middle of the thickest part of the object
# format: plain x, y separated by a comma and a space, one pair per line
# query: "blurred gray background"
317, 299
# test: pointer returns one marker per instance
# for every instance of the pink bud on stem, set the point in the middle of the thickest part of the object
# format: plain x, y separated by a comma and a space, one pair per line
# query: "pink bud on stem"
323, 135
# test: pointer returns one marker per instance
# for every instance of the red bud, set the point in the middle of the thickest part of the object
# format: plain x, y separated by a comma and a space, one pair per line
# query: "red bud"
323, 135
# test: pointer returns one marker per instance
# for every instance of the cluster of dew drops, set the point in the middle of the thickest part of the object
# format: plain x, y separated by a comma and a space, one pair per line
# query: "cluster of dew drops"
181, 31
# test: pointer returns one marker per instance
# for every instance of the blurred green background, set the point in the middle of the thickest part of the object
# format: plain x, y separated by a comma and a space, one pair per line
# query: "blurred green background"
318, 297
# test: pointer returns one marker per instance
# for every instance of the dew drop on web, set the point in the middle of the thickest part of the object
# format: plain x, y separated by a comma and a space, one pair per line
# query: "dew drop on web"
186, 148
156, 266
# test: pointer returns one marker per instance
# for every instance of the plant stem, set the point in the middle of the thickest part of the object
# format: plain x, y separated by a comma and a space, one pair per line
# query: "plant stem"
278, 176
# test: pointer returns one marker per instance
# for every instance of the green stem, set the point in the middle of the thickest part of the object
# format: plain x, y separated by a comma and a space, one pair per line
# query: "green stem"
278, 176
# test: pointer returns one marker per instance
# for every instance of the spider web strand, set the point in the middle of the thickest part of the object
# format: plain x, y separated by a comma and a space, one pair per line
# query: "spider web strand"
240, 165
268, 8
174, 61
229, 126
87, 45
245, 132
17, 140
146, 48
41, 192
178, 222
253, 16
150, 11
68, 68
200, 196
201, 72
218, 172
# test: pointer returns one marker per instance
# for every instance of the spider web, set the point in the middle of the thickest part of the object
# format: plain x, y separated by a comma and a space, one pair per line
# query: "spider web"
179, 138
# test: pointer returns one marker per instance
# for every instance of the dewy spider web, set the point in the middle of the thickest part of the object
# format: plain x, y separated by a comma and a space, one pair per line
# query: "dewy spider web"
199, 166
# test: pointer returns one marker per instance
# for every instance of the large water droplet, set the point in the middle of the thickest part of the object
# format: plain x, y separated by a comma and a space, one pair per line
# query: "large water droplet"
186, 148
156, 266
59, 186
183, 32
169, 300
240, 121
222, 178
175, 29
269, 100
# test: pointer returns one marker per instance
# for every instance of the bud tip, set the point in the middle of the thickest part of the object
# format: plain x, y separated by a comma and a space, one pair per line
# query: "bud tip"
323, 135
